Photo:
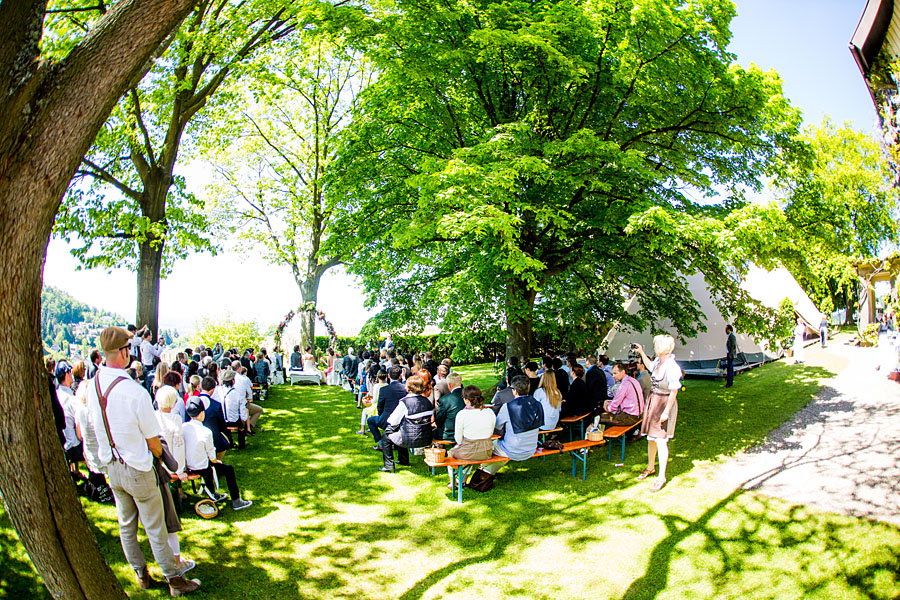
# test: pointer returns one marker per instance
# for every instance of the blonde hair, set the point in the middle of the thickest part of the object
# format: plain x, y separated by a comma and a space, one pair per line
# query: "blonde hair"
193, 384
79, 370
663, 344
415, 385
161, 369
81, 392
166, 397
548, 384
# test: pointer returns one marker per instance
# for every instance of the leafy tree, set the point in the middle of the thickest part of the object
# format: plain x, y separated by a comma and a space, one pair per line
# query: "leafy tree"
127, 204
51, 107
521, 159
230, 333
845, 204
274, 160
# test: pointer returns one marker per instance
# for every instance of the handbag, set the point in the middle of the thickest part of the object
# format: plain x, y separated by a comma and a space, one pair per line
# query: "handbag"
481, 481
552, 444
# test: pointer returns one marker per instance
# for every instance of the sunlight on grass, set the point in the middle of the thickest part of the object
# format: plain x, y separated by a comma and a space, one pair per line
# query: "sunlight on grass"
325, 524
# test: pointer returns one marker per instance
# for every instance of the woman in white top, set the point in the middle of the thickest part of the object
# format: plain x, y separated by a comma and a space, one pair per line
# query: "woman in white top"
799, 335
662, 407
171, 426
550, 398
473, 429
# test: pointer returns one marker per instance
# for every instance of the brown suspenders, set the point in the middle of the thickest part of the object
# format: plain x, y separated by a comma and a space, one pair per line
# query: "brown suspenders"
102, 398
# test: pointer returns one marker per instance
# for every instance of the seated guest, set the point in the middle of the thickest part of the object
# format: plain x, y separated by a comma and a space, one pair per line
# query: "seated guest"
262, 370
643, 377
473, 430
243, 384
408, 426
200, 455
579, 401
429, 383
521, 419
214, 418
627, 405
562, 378
448, 407
170, 424
607, 371
296, 358
596, 385
531, 373
193, 388
388, 398
372, 409
234, 401
551, 400
173, 379
440, 385
512, 370
501, 397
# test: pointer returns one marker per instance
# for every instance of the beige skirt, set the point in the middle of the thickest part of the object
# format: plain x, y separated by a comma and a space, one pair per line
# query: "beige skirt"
473, 450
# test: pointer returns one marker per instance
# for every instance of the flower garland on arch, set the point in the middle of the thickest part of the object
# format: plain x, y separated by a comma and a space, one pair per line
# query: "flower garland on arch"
308, 307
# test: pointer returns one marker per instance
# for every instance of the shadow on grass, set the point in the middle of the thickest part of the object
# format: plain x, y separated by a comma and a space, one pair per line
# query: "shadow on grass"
325, 524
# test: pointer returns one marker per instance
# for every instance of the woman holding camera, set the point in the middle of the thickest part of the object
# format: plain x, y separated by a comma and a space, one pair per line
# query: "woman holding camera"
662, 407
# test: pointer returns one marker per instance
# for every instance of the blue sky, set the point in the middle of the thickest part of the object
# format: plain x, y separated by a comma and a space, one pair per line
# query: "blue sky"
805, 41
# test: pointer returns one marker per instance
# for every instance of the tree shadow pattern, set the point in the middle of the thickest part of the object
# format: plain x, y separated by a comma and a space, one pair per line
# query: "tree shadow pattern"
325, 524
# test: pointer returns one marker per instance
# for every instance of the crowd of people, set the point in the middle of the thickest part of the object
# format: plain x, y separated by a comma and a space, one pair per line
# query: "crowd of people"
137, 422
408, 401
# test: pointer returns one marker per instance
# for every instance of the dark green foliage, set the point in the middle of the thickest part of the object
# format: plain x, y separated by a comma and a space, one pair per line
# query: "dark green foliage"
60, 312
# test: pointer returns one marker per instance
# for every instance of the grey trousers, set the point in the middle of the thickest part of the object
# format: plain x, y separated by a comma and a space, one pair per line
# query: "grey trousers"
137, 497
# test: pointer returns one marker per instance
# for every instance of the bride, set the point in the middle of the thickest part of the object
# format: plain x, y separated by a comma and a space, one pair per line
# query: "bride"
309, 363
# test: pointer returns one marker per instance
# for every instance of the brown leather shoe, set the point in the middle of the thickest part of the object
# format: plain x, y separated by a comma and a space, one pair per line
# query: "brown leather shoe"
180, 585
144, 580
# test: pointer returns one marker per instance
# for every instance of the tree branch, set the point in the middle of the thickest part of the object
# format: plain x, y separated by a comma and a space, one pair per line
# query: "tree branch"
99, 172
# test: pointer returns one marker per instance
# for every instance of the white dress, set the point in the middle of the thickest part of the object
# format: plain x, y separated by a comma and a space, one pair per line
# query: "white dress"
309, 366
799, 333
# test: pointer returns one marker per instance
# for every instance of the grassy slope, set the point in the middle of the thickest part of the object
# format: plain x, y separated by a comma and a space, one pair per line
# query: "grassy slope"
326, 525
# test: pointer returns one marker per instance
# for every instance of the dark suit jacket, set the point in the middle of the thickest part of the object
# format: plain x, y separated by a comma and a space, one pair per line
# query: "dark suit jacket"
214, 420
596, 387
562, 382
579, 401
388, 399
445, 417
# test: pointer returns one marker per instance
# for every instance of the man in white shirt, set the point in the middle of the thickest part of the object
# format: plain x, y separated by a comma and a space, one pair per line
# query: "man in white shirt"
127, 433
65, 397
245, 386
234, 401
200, 456
149, 351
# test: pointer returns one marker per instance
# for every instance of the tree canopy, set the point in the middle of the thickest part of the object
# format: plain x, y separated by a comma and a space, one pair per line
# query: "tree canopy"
549, 159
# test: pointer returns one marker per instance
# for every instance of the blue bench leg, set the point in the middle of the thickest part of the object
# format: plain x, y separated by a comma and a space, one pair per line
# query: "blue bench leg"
623, 448
579, 455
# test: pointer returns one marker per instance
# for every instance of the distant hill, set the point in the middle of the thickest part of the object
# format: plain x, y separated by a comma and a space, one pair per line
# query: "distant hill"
69, 326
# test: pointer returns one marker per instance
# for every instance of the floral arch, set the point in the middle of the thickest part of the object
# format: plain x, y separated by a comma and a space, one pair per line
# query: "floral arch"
308, 307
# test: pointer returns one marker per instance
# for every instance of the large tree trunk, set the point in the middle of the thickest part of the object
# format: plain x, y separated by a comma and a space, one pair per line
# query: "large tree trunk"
519, 319
148, 277
309, 292
49, 114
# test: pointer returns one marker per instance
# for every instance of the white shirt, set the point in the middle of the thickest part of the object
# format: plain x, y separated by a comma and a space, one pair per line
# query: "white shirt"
90, 447
67, 402
474, 424
170, 423
135, 343
198, 445
132, 419
243, 384
235, 405
148, 351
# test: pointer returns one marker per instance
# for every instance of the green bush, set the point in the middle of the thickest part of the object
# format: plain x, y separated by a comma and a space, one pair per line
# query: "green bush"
232, 334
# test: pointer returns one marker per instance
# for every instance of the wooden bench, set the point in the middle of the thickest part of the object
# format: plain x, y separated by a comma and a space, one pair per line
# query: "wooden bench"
462, 468
619, 432
570, 421
175, 485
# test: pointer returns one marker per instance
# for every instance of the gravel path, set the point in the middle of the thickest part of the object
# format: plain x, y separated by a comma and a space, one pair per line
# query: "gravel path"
841, 453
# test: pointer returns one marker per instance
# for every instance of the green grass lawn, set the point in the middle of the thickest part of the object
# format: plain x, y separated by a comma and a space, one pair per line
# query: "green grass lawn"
325, 524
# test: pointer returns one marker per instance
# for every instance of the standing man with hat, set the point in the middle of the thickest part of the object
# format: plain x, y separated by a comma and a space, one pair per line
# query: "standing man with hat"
128, 437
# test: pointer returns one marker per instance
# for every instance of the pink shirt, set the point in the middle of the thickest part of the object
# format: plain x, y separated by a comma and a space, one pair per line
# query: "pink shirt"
629, 398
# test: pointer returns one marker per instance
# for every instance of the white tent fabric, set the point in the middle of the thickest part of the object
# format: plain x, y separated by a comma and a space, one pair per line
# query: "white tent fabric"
767, 287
